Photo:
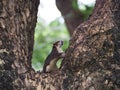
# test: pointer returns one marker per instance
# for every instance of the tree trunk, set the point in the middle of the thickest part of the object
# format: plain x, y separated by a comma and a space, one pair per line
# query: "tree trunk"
17, 22
93, 57
92, 60
71, 13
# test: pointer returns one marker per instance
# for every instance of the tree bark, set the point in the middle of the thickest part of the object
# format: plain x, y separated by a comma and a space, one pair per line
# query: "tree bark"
92, 60
93, 56
17, 22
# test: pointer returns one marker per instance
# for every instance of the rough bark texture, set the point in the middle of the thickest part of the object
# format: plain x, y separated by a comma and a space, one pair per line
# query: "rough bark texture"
17, 22
71, 13
94, 50
92, 60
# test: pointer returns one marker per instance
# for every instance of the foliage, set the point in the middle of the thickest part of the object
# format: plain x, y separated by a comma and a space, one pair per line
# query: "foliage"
87, 11
45, 35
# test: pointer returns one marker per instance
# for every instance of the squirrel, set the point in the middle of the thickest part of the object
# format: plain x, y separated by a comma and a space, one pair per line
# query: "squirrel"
53, 57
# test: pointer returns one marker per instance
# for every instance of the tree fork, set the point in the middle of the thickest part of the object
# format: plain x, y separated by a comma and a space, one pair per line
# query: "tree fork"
92, 59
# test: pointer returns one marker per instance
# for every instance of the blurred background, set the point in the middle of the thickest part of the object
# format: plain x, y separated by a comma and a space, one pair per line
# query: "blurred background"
50, 27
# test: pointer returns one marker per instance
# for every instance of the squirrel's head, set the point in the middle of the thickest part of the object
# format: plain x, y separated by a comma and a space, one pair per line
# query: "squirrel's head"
58, 44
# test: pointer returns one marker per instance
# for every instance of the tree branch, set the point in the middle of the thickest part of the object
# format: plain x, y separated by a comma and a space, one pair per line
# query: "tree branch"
71, 13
